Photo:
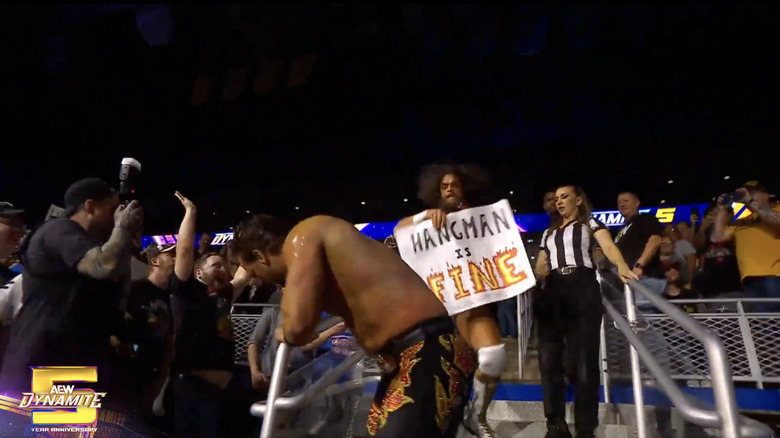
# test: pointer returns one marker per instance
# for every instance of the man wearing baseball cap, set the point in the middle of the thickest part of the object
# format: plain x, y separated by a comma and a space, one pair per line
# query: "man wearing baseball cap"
757, 241
72, 270
147, 330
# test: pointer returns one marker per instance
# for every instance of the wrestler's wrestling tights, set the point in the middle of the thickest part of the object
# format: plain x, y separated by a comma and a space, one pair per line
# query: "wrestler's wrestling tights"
425, 396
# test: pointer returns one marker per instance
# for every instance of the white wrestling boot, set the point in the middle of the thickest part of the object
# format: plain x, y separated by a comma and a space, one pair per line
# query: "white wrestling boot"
475, 420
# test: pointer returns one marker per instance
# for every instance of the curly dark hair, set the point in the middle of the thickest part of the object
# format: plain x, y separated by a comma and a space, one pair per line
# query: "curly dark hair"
475, 181
260, 232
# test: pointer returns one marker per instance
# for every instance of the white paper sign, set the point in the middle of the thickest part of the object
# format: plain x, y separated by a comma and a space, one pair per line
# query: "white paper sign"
476, 259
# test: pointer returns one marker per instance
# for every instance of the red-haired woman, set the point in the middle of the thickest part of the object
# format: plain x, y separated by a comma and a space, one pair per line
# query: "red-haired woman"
570, 308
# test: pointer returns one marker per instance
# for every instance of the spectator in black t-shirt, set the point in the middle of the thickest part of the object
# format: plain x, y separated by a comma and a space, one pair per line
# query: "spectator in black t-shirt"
72, 275
639, 242
147, 329
206, 392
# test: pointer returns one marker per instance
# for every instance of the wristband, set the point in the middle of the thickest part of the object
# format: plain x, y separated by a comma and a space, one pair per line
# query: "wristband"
286, 341
420, 217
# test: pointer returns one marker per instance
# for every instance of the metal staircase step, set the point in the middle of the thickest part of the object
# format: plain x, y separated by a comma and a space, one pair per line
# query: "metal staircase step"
510, 429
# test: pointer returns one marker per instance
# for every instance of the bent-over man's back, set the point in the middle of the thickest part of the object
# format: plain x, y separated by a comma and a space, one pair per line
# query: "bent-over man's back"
327, 265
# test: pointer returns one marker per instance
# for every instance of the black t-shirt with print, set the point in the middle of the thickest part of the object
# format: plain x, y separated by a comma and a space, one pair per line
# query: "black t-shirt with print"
66, 318
148, 321
719, 272
201, 321
633, 237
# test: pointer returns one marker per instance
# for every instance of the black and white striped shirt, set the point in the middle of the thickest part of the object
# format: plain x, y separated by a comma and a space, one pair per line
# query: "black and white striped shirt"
571, 245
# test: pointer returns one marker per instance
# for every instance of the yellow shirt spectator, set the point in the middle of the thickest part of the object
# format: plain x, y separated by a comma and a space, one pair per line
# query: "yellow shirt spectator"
758, 246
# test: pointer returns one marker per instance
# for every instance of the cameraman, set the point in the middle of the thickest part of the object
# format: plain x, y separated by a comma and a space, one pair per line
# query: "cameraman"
72, 284
757, 241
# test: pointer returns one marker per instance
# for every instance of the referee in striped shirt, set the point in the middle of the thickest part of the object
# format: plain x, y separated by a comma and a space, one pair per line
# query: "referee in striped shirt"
570, 308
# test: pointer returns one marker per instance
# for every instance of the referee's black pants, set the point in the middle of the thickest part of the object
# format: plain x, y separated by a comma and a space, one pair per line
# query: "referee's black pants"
570, 308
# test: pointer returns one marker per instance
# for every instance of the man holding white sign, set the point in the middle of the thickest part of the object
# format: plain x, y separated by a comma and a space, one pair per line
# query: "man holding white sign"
476, 258
469, 257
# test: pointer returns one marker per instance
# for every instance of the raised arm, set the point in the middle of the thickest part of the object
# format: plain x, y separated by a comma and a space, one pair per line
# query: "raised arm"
770, 216
185, 243
105, 261
700, 238
723, 230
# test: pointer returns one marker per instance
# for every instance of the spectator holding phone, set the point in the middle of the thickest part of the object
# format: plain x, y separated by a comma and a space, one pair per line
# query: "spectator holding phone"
718, 274
756, 238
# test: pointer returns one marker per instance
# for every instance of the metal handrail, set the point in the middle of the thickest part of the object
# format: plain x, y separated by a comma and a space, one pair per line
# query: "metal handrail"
689, 412
275, 386
319, 387
726, 416
234, 306
275, 401
722, 385
636, 377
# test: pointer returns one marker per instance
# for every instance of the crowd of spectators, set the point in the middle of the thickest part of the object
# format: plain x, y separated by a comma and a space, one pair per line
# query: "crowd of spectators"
167, 334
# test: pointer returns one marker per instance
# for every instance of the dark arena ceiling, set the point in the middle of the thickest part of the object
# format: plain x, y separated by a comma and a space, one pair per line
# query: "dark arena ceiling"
333, 108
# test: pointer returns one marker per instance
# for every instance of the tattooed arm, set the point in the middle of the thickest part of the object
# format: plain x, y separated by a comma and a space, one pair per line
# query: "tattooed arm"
769, 215
104, 262
107, 261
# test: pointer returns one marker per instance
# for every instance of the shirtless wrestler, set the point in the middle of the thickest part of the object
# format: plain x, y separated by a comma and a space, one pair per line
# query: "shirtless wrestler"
446, 189
326, 265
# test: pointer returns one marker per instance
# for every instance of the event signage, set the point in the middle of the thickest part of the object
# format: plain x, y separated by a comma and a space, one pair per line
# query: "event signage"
534, 222
477, 258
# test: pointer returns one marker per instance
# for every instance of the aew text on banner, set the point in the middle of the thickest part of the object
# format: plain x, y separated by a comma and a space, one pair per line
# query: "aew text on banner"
476, 259
54, 403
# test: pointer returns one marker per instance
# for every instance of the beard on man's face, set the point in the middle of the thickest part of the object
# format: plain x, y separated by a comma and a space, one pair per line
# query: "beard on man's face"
450, 205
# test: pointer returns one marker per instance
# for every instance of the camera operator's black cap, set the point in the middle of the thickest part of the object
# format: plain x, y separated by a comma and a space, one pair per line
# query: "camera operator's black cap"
82, 190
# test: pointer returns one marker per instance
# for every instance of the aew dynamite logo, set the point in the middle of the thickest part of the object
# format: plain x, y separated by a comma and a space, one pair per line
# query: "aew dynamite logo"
62, 404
